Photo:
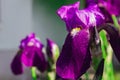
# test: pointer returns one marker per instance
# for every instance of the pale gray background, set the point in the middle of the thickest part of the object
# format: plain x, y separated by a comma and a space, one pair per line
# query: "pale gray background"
19, 18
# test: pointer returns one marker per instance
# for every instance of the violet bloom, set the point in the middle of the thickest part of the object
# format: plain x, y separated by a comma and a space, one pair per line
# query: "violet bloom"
75, 56
30, 54
108, 8
52, 50
112, 6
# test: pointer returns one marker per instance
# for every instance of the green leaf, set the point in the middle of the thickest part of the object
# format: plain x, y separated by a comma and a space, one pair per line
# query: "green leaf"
104, 43
114, 18
108, 69
33, 71
99, 71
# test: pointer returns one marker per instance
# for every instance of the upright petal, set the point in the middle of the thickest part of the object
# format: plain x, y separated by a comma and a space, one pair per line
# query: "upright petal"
67, 13
24, 42
75, 18
90, 16
75, 57
63, 12
90, 2
16, 65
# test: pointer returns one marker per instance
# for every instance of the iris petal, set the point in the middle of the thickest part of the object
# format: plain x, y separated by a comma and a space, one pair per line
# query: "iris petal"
27, 56
75, 57
114, 39
67, 14
73, 17
52, 50
63, 11
50, 46
39, 61
16, 64
30, 54
90, 16
112, 6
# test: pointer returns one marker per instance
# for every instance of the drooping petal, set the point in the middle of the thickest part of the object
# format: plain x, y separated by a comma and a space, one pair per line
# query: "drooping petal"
39, 60
27, 56
16, 65
75, 57
114, 39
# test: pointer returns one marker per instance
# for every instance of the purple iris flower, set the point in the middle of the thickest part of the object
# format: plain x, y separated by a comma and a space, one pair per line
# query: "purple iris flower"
50, 45
75, 57
30, 54
52, 50
112, 6
108, 8
75, 18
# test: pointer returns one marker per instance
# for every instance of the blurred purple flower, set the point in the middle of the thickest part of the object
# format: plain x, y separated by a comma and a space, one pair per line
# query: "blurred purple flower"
107, 7
52, 50
50, 45
75, 56
30, 54
112, 6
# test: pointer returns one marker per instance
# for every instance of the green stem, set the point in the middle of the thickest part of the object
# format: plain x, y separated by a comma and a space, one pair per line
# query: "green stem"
108, 73
104, 43
114, 18
108, 69
51, 75
86, 76
33, 71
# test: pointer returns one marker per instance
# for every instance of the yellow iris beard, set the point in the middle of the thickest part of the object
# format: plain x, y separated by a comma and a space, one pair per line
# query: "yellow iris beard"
75, 31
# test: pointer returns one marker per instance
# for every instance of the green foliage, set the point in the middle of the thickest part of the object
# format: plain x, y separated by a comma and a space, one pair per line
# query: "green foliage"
33, 71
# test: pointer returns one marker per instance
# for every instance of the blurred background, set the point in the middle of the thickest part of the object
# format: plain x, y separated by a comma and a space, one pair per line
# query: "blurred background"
20, 17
